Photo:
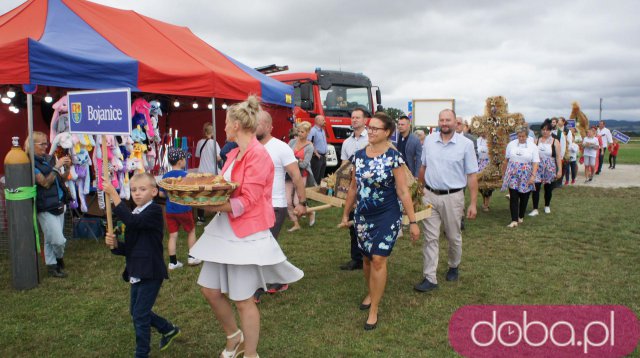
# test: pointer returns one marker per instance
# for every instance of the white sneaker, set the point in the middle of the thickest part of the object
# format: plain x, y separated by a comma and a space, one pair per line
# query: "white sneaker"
534, 212
192, 261
177, 265
547, 210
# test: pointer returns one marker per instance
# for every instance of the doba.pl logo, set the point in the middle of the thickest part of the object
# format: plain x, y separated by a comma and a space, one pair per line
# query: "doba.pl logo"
544, 331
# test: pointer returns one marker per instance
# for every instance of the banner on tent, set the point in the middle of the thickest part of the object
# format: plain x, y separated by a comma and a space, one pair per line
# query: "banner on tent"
100, 112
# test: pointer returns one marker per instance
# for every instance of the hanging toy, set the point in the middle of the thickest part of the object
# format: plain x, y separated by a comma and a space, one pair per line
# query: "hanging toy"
81, 165
140, 111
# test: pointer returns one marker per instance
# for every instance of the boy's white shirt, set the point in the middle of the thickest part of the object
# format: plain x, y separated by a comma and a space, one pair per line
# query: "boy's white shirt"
139, 209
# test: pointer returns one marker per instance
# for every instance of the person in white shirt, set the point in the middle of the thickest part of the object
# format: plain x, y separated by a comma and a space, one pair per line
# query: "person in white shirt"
572, 170
207, 149
356, 141
284, 161
591, 148
520, 169
607, 140
550, 168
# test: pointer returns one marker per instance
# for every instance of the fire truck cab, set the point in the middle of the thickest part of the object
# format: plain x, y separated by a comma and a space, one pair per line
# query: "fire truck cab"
333, 94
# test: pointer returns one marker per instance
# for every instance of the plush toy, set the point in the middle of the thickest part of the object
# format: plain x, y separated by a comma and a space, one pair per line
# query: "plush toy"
137, 156
70, 181
59, 108
62, 139
140, 111
98, 157
582, 122
138, 135
81, 165
155, 112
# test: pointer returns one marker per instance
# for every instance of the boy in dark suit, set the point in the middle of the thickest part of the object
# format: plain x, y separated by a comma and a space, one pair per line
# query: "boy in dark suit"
145, 268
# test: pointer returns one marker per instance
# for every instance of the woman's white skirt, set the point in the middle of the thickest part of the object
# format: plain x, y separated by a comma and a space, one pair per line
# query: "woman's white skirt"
239, 266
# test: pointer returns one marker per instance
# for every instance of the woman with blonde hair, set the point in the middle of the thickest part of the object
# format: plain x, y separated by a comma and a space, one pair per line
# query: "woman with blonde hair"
240, 255
303, 151
51, 197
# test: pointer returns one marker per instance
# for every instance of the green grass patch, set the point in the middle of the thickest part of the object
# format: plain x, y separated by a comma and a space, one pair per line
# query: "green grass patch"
628, 153
585, 252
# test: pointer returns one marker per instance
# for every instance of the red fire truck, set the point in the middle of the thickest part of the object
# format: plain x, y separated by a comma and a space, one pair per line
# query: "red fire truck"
333, 94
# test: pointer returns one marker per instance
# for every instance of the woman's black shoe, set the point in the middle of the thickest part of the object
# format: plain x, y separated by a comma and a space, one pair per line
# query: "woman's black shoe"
370, 327
364, 307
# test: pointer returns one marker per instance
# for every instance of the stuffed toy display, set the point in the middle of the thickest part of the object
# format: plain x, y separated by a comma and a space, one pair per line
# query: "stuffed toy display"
126, 155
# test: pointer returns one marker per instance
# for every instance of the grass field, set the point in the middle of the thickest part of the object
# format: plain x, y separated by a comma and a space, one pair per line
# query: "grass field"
586, 252
629, 153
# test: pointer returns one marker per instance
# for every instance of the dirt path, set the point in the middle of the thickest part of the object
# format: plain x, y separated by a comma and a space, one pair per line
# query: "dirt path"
623, 176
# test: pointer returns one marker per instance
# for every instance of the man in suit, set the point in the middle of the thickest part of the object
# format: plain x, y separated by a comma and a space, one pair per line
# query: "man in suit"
409, 145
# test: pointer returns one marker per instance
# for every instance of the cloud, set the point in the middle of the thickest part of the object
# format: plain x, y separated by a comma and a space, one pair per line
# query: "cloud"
540, 55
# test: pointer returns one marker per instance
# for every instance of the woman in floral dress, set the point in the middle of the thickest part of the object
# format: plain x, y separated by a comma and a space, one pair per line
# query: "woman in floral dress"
550, 168
521, 163
378, 182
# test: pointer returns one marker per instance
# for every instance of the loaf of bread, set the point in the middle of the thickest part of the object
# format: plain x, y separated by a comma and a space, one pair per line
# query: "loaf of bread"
198, 179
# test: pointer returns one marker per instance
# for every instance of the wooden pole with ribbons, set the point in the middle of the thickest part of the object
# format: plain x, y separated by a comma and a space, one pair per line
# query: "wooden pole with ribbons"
107, 199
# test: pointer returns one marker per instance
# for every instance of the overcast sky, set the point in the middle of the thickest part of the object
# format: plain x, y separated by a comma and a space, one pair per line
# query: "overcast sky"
540, 55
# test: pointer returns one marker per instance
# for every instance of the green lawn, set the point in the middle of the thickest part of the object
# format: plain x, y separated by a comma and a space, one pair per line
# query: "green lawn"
586, 252
629, 153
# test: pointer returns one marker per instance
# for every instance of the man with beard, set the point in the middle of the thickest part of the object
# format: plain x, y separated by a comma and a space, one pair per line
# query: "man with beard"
449, 164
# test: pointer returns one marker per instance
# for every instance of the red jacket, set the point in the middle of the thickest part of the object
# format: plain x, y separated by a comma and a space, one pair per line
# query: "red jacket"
254, 175
614, 148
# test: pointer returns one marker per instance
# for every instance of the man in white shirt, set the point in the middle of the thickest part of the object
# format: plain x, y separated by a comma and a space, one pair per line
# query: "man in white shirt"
356, 141
607, 140
283, 161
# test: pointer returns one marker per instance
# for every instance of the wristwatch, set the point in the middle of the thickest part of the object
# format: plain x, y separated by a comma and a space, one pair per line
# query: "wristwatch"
303, 203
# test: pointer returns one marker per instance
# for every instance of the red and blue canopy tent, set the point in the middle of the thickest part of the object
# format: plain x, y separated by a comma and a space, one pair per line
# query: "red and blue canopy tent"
83, 45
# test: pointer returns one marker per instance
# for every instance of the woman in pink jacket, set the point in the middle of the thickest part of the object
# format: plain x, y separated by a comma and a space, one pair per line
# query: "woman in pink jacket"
239, 253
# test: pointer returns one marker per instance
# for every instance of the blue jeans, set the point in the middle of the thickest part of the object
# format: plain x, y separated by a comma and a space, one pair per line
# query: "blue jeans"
54, 241
143, 296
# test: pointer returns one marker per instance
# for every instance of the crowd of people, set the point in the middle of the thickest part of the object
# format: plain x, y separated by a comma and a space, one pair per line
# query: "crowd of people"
239, 252
546, 162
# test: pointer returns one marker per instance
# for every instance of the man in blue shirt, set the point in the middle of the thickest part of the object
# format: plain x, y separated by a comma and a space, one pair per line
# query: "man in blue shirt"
318, 137
449, 164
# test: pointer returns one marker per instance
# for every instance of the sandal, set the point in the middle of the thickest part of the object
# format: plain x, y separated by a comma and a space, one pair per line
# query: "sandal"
237, 350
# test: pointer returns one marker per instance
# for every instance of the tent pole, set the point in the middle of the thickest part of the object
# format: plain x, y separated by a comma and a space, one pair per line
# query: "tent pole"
30, 121
215, 140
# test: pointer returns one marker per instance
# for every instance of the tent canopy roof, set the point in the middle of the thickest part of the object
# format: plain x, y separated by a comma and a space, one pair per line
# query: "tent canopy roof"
80, 44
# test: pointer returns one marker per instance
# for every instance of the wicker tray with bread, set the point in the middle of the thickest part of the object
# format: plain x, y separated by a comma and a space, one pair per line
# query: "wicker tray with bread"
198, 189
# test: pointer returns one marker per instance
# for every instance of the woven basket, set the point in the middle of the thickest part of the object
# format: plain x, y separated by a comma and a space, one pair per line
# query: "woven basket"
198, 195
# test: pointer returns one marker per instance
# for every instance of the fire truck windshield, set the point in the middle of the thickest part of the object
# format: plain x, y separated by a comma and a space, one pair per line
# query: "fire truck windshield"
339, 100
